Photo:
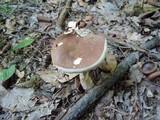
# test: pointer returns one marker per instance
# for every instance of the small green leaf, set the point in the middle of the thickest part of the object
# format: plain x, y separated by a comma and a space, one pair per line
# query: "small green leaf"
23, 43
7, 73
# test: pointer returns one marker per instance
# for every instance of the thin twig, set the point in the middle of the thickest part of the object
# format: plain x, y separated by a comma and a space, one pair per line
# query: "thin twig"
63, 14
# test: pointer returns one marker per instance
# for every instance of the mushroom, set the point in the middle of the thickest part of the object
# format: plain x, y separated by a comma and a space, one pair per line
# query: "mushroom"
74, 54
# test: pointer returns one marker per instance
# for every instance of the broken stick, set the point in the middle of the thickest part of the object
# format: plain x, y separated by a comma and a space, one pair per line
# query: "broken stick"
63, 14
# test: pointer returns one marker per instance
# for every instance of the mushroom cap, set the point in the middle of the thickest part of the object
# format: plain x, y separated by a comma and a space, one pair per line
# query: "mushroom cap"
74, 54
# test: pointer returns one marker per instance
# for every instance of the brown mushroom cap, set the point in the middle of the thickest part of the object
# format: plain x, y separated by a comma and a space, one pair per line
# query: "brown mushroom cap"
74, 54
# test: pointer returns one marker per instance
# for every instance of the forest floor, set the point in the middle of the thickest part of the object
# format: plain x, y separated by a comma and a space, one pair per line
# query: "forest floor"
32, 88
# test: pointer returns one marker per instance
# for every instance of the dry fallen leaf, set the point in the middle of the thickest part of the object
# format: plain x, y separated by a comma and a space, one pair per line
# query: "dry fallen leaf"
41, 110
72, 75
18, 99
110, 64
53, 77
49, 77
135, 73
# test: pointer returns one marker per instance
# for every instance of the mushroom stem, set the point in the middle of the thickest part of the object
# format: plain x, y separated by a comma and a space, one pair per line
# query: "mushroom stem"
86, 80
103, 66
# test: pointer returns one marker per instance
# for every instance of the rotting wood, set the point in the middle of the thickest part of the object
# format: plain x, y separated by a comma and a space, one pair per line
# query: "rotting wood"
93, 95
63, 14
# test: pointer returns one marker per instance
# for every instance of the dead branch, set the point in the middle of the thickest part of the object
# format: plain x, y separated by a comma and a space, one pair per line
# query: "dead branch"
63, 14
93, 95
152, 2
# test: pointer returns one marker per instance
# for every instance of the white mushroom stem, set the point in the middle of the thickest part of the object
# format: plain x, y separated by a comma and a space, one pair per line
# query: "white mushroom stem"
86, 81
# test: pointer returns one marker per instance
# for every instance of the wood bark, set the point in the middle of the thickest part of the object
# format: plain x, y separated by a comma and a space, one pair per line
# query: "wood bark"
93, 95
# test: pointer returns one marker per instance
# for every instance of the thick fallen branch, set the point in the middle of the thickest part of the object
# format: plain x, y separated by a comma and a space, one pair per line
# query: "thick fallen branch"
100, 89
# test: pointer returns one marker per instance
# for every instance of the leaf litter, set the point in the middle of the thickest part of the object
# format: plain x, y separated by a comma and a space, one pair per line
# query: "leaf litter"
134, 97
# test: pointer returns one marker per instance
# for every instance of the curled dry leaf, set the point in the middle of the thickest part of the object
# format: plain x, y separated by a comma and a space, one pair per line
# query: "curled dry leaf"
49, 77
